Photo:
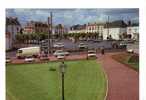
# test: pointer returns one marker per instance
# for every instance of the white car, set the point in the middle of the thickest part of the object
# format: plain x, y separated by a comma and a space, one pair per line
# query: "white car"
29, 59
8, 60
82, 45
91, 53
123, 43
58, 45
60, 52
130, 51
60, 56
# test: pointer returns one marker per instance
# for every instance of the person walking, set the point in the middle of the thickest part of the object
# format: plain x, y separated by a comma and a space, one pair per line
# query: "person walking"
102, 51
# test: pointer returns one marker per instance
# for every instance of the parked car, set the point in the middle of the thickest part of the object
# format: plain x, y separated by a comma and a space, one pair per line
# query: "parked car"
91, 53
130, 51
60, 52
29, 59
61, 56
97, 40
90, 39
115, 44
83, 39
8, 60
122, 44
83, 46
58, 45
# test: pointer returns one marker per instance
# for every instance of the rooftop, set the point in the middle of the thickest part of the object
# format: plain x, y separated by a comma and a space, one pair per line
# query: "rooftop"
116, 24
12, 21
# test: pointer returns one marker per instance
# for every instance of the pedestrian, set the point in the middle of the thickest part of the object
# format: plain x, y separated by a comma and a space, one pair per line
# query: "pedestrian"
102, 50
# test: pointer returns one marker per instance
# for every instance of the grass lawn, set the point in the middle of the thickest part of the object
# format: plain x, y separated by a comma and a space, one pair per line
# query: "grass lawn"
134, 65
84, 80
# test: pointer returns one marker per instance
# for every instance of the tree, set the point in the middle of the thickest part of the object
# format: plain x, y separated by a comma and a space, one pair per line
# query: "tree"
82, 35
124, 35
75, 36
19, 38
97, 35
26, 38
65, 35
42, 36
110, 37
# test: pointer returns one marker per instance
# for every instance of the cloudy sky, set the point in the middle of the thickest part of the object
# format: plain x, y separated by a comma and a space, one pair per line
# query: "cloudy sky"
70, 17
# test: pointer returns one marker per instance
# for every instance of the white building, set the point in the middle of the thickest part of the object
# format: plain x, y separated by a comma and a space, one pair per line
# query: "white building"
114, 33
88, 28
12, 28
133, 31
95, 28
114, 30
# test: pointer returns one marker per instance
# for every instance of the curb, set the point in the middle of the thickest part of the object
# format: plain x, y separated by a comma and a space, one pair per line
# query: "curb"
47, 61
107, 82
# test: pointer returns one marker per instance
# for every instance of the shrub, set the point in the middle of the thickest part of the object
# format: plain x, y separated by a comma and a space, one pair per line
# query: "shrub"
134, 58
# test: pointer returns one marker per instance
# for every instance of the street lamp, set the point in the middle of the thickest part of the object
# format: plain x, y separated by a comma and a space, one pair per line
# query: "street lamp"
62, 70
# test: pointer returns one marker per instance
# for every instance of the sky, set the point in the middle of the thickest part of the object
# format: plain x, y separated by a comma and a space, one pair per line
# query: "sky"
69, 17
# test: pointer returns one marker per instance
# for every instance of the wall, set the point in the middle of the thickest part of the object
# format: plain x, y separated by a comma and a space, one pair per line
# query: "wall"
8, 41
14, 29
114, 32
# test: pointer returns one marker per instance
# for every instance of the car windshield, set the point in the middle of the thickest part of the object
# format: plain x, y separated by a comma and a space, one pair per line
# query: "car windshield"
29, 57
19, 51
61, 54
91, 51
81, 43
59, 51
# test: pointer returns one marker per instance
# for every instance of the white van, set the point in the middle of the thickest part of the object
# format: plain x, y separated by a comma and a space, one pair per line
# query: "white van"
28, 51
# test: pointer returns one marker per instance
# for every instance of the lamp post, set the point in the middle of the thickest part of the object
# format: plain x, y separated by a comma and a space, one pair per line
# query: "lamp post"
62, 69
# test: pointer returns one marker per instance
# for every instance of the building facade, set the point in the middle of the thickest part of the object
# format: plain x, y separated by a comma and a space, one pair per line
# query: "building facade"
87, 28
133, 31
12, 28
114, 30
8, 41
36, 27
95, 28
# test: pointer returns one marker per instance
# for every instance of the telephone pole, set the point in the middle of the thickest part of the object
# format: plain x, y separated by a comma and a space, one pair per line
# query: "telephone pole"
50, 33
108, 26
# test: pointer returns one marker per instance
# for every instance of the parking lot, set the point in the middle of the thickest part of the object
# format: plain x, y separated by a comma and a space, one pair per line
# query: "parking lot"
68, 44
73, 47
